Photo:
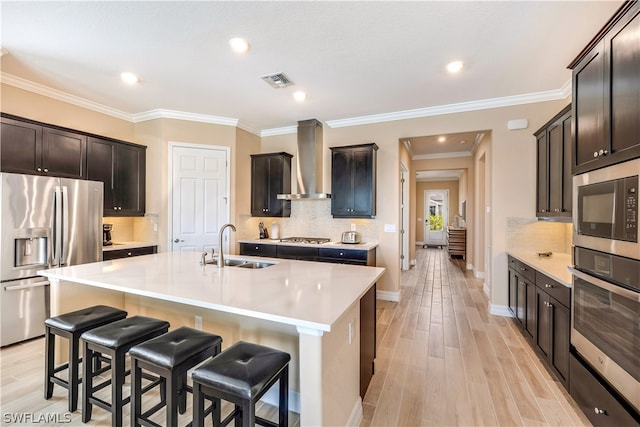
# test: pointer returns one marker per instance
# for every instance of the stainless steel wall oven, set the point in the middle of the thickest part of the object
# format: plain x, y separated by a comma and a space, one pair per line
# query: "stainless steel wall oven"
605, 322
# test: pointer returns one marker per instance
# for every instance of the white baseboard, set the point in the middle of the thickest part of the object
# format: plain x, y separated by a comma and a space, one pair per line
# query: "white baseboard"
500, 310
272, 398
486, 290
478, 274
356, 414
388, 296
412, 262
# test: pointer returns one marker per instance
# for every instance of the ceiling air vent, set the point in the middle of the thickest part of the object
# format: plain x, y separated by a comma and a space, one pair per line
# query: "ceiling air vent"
277, 80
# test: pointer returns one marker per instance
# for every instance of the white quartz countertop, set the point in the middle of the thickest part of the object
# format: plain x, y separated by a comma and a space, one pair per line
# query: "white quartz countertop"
335, 245
127, 245
554, 266
300, 293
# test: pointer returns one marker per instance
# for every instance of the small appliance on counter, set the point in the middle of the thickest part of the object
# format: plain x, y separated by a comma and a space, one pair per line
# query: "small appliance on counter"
351, 237
106, 234
275, 231
264, 234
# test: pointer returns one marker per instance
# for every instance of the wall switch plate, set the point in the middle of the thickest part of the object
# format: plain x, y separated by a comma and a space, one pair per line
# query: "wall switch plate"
389, 228
353, 227
198, 323
351, 332
155, 226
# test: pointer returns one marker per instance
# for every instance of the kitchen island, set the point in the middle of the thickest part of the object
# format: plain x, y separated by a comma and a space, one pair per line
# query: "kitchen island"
308, 309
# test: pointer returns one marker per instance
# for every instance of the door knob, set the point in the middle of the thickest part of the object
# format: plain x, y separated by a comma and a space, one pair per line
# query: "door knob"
177, 241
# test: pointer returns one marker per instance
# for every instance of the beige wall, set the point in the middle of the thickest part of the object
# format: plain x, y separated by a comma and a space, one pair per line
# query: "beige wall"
454, 203
509, 164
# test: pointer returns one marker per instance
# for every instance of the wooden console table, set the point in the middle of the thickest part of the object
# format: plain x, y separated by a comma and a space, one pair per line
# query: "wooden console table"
457, 241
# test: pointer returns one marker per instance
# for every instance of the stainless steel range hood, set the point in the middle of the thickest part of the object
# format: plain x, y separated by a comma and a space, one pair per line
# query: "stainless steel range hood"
308, 162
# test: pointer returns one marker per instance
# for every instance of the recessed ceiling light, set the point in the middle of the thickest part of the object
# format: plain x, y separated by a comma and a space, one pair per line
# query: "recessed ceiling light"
454, 67
442, 139
129, 78
299, 96
239, 45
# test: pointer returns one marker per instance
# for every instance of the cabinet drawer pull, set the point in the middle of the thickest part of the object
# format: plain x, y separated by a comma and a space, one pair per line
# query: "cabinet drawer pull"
595, 154
599, 411
523, 269
546, 285
257, 247
128, 253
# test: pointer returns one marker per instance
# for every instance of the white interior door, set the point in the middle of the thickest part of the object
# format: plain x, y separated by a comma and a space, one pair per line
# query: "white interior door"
436, 213
199, 197
404, 217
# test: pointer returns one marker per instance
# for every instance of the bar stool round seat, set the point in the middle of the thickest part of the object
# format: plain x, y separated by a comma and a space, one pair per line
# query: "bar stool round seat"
241, 374
170, 356
114, 340
71, 326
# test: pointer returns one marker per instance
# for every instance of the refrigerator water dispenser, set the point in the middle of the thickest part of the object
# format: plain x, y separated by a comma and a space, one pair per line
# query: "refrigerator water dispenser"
31, 250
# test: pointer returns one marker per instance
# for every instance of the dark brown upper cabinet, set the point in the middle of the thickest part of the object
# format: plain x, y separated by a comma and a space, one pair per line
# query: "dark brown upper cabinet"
554, 179
270, 176
122, 169
606, 94
32, 148
353, 181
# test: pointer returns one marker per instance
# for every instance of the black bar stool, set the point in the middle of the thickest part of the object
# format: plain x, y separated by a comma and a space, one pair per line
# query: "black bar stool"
71, 326
241, 374
114, 340
170, 356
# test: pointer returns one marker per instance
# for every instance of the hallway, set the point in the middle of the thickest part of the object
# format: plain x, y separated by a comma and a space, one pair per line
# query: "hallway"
444, 361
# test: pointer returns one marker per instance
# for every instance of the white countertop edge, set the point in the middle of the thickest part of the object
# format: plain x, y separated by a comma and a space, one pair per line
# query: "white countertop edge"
332, 245
127, 245
196, 303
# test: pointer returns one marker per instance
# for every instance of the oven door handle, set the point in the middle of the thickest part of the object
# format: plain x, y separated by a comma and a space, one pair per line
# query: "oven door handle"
619, 290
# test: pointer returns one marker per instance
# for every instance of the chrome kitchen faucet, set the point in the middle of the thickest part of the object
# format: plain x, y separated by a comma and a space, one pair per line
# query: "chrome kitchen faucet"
220, 251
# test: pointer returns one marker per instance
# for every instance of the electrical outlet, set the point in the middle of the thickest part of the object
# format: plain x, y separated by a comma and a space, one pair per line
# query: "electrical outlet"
155, 226
198, 323
353, 227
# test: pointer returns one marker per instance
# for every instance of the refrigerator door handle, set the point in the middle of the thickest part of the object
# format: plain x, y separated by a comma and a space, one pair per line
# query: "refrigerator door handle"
27, 286
57, 226
65, 226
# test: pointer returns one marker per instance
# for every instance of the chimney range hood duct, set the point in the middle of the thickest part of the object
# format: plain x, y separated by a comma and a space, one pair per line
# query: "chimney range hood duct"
309, 162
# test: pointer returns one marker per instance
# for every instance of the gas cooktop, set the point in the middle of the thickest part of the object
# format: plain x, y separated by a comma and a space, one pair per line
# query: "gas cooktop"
310, 240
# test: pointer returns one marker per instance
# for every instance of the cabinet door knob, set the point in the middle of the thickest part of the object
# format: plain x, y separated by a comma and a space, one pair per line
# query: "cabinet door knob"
128, 253
523, 269
546, 285
595, 154
39, 169
257, 247
599, 411
46, 170
115, 208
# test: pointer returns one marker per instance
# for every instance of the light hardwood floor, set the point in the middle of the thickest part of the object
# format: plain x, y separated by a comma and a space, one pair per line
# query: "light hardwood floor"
442, 361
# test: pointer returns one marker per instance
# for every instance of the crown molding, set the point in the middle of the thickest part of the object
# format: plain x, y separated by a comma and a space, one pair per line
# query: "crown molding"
286, 130
161, 113
551, 95
442, 155
59, 95
484, 104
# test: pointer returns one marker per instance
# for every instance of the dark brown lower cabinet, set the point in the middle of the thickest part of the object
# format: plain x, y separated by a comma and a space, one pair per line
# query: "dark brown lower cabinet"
541, 309
125, 253
596, 399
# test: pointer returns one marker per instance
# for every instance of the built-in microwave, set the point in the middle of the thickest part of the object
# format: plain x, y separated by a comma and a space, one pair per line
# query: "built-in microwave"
605, 216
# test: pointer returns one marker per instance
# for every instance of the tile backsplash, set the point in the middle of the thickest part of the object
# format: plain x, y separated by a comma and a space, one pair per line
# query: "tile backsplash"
310, 218
529, 234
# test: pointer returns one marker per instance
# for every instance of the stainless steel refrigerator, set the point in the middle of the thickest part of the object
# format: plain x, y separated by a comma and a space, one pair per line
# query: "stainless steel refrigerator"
45, 222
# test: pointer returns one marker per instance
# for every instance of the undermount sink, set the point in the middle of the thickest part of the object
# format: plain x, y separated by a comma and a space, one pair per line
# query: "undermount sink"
256, 264
241, 263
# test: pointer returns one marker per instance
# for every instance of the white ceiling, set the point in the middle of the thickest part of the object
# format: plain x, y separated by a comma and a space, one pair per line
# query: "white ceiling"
354, 59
